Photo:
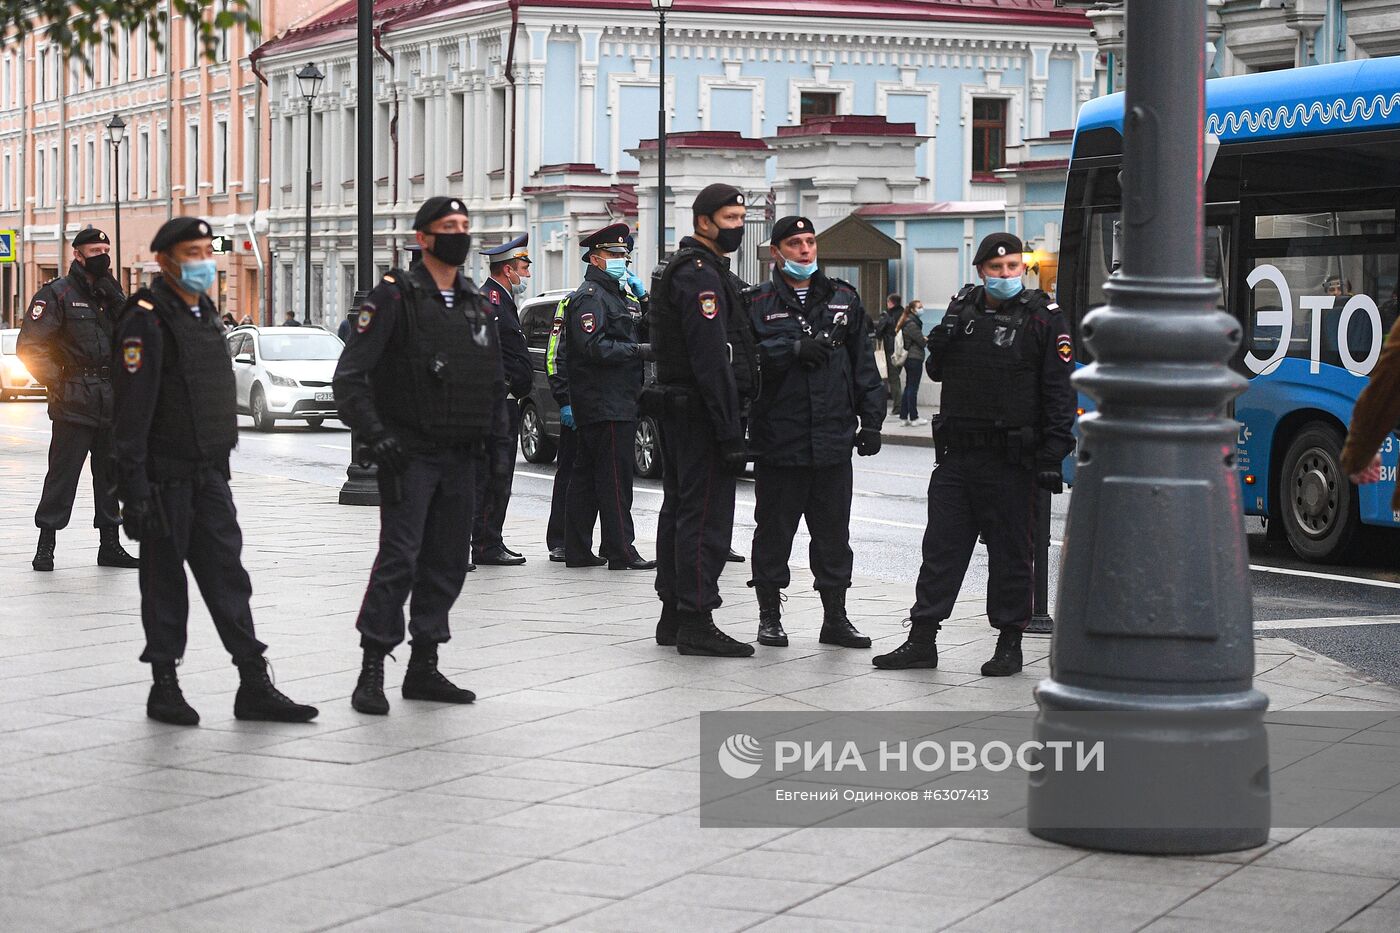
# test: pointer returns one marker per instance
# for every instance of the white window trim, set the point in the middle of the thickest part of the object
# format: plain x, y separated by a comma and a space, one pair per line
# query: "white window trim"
908, 87
724, 82
616, 82
821, 85
1015, 120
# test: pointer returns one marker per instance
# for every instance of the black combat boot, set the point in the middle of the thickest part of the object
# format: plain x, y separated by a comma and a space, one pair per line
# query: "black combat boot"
43, 555
920, 650
666, 625
166, 702
258, 699
369, 690
836, 626
1007, 659
698, 635
770, 617
110, 552
423, 680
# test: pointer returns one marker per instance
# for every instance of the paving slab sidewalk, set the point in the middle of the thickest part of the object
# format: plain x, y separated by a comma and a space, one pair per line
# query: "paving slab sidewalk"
566, 797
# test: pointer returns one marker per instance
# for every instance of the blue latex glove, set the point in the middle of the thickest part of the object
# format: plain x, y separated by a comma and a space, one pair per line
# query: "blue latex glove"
634, 282
566, 417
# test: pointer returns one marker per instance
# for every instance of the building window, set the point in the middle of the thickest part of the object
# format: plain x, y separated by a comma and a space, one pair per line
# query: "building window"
191, 42
456, 108
818, 104
73, 174
90, 188
318, 293
41, 76
39, 177
348, 148
54, 166
142, 40
250, 153
221, 156
162, 50
988, 135
417, 151
222, 53
8, 181
163, 178
318, 138
143, 164
498, 129
191, 161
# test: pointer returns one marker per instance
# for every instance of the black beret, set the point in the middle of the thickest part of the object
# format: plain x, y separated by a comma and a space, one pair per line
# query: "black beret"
178, 230
997, 244
433, 208
89, 235
791, 226
612, 238
715, 198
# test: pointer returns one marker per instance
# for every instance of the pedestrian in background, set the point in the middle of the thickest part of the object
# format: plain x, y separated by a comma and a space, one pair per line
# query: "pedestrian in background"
706, 372
65, 341
176, 423
606, 367
290, 319
911, 332
420, 382
821, 396
1004, 356
510, 267
886, 333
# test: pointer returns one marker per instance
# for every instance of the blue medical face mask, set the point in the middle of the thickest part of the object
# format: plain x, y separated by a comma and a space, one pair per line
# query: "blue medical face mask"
617, 268
198, 276
1004, 289
798, 271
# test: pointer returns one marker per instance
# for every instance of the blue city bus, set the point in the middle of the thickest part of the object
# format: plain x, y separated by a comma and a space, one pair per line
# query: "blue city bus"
1302, 193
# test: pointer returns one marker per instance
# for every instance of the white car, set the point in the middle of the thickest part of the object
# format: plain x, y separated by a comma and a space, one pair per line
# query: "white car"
284, 373
14, 378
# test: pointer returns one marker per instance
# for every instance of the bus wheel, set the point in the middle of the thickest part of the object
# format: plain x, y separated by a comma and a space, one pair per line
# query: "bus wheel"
1318, 502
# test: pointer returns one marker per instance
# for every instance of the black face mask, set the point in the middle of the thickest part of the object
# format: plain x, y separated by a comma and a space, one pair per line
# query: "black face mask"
98, 266
729, 239
451, 248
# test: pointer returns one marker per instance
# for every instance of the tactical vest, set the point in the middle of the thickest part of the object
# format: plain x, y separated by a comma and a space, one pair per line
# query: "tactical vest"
87, 340
673, 365
196, 416
990, 370
438, 377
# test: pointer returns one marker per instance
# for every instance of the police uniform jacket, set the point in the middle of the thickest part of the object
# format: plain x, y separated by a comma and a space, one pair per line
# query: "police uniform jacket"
65, 341
604, 359
174, 390
803, 418
1007, 367
429, 375
692, 333
515, 353
556, 361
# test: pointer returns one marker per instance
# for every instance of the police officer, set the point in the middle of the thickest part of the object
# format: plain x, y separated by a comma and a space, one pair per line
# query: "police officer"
605, 371
821, 394
65, 340
510, 267
557, 370
175, 424
1004, 356
421, 381
706, 370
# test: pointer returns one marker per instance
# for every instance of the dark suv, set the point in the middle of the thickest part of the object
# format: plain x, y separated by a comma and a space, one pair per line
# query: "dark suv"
539, 414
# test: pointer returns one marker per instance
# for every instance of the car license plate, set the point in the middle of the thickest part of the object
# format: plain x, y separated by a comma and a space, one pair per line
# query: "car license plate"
325, 396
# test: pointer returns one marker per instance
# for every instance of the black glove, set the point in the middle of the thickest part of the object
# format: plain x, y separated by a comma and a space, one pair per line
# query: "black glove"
736, 458
812, 353
648, 354
867, 442
144, 519
1050, 480
386, 451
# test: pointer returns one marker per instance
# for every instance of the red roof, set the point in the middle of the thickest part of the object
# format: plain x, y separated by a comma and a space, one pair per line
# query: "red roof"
706, 139
391, 13
848, 125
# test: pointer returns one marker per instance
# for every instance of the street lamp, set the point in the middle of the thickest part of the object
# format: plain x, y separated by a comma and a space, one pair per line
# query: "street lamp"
116, 129
310, 78
661, 6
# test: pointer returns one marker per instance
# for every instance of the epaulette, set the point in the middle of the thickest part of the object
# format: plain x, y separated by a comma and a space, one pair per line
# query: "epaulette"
142, 299
842, 283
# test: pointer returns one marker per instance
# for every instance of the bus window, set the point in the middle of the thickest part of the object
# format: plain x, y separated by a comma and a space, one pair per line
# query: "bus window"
1104, 255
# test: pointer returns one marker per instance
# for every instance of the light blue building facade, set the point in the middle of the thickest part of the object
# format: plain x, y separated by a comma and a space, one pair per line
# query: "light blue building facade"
539, 115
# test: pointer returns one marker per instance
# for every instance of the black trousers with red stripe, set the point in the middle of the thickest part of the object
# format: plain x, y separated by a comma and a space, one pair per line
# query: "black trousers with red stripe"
697, 515
976, 492
601, 485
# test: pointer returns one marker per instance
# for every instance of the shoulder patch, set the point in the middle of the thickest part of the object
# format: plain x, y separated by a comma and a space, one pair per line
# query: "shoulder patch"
709, 305
588, 322
1065, 348
557, 327
36, 310
131, 354
495, 296
366, 318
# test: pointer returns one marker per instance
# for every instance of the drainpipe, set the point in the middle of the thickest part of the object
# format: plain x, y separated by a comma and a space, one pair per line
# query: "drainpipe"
393, 132
510, 76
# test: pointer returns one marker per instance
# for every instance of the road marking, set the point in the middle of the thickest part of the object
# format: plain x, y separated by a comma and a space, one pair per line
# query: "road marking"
344, 447
1332, 622
1385, 584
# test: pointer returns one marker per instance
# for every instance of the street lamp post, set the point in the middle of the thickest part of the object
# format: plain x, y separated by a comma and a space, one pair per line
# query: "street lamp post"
661, 6
1154, 652
310, 78
116, 129
360, 486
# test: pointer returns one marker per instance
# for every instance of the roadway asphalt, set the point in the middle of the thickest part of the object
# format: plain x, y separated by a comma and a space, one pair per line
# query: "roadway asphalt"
888, 519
